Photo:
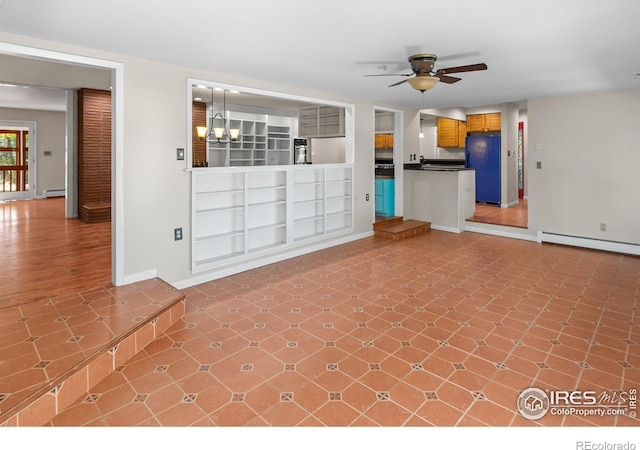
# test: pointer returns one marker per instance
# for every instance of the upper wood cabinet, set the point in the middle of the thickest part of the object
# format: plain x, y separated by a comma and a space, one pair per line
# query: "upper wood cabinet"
483, 122
384, 140
451, 133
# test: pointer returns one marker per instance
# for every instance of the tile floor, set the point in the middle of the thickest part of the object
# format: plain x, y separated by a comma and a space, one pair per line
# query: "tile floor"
439, 329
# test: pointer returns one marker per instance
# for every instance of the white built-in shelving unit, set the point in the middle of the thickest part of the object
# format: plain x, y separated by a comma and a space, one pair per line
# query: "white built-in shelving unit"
248, 212
322, 121
264, 140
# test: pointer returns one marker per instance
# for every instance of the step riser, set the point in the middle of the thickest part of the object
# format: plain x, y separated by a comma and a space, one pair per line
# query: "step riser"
394, 236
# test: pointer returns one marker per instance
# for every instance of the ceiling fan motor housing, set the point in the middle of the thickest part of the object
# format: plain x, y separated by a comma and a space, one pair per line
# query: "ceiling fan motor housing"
422, 63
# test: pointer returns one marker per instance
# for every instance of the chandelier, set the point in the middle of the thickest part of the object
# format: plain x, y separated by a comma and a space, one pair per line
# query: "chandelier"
218, 134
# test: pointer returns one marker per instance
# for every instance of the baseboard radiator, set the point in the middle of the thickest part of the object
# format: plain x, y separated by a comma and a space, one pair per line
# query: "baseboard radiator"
48, 193
597, 244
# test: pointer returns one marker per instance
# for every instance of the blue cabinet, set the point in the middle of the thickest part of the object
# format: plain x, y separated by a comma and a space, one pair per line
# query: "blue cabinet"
385, 196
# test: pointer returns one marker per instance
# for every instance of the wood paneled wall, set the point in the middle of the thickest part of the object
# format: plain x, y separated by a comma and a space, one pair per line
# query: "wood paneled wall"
94, 155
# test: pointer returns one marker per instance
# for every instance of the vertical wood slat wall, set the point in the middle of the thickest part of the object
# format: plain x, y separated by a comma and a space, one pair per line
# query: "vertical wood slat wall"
199, 118
94, 155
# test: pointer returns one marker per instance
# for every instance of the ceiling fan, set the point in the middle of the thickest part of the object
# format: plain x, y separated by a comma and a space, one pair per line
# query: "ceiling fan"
424, 77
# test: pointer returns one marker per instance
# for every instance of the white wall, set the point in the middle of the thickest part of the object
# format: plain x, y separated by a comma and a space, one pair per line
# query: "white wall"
50, 130
589, 147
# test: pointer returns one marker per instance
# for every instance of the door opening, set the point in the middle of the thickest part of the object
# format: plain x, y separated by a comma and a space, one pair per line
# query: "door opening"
14, 162
520, 160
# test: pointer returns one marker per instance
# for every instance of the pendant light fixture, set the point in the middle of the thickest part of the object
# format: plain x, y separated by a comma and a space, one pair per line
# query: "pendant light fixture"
421, 135
220, 134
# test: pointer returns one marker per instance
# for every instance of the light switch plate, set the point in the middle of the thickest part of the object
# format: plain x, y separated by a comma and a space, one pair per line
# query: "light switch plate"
180, 154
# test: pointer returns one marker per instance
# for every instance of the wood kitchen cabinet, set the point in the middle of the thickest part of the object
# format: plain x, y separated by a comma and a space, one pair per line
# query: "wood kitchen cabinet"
483, 122
451, 133
384, 140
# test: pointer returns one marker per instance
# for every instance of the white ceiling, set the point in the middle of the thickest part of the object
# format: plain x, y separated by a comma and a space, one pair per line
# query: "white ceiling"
532, 48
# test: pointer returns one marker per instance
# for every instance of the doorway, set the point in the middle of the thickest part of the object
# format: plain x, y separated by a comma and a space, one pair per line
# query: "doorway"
68, 63
388, 163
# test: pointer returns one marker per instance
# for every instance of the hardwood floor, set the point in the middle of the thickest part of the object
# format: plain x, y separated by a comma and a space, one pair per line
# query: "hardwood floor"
516, 216
45, 255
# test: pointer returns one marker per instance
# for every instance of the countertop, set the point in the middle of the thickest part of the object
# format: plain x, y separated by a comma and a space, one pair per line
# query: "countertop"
434, 169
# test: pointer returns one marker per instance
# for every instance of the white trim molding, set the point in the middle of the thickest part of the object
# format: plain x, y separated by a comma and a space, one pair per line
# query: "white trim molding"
596, 244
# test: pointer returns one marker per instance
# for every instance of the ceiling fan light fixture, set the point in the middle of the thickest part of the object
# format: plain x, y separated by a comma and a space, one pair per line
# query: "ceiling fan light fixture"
423, 82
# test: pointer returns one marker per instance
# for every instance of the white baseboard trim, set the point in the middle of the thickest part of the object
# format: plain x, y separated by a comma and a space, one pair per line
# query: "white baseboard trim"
447, 229
140, 276
509, 205
248, 265
596, 244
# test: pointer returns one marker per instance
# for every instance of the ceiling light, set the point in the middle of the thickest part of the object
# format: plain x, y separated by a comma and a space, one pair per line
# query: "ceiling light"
423, 82
218, 131
421, 135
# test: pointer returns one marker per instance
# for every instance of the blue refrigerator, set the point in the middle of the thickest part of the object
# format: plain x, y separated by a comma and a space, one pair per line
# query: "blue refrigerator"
483, 155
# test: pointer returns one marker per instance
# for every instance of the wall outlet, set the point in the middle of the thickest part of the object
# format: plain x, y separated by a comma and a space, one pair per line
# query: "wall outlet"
177, 234
603, 227
538, 164
366, 197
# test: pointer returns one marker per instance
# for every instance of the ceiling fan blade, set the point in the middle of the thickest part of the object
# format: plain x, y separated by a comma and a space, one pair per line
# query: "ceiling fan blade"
399, 82
389, 75
459, 69
447, 79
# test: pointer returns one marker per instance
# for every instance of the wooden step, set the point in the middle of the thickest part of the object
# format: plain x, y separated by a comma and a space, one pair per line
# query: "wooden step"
126, 318
383, 221
397, 231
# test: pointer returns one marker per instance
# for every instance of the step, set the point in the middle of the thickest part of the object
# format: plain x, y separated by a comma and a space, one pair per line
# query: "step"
406, 229
383, 221
60, 348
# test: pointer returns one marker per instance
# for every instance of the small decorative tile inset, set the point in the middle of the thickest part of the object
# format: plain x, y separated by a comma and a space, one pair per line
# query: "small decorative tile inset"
332, 367
555, 342
478, 395
42, 364
247, 367
225, 325
204, 368
295, 310
161, 368
260, 325
464, 324
140, 398
374, 366
416, 366
286, 396
62, 319
531, 324
237, 397
405, 343
233, 310
367, 344
23, 319
396, 325
294, 325
362, 325
443, 343
32, 339
254, 344
289, 367
91, 398
189, 398
542, 365
498, 324
335, 396
328, 325
518, 342
358, 310
216, 344
628, 342
292, 344
139, 319
190, 326
565, 324
625, 364
266, 310
480, 343
431, 395
74, 339
326, 309
177, 345
329, 344
419, 308
501, 366
459, 366
584, 364
592, 342
383, 396
430, 324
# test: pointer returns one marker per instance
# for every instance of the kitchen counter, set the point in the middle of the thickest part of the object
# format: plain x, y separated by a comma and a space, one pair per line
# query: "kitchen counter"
443, 168
443, 196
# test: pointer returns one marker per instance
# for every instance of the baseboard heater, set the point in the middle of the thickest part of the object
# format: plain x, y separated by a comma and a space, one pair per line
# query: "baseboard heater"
48, 193
597, 244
